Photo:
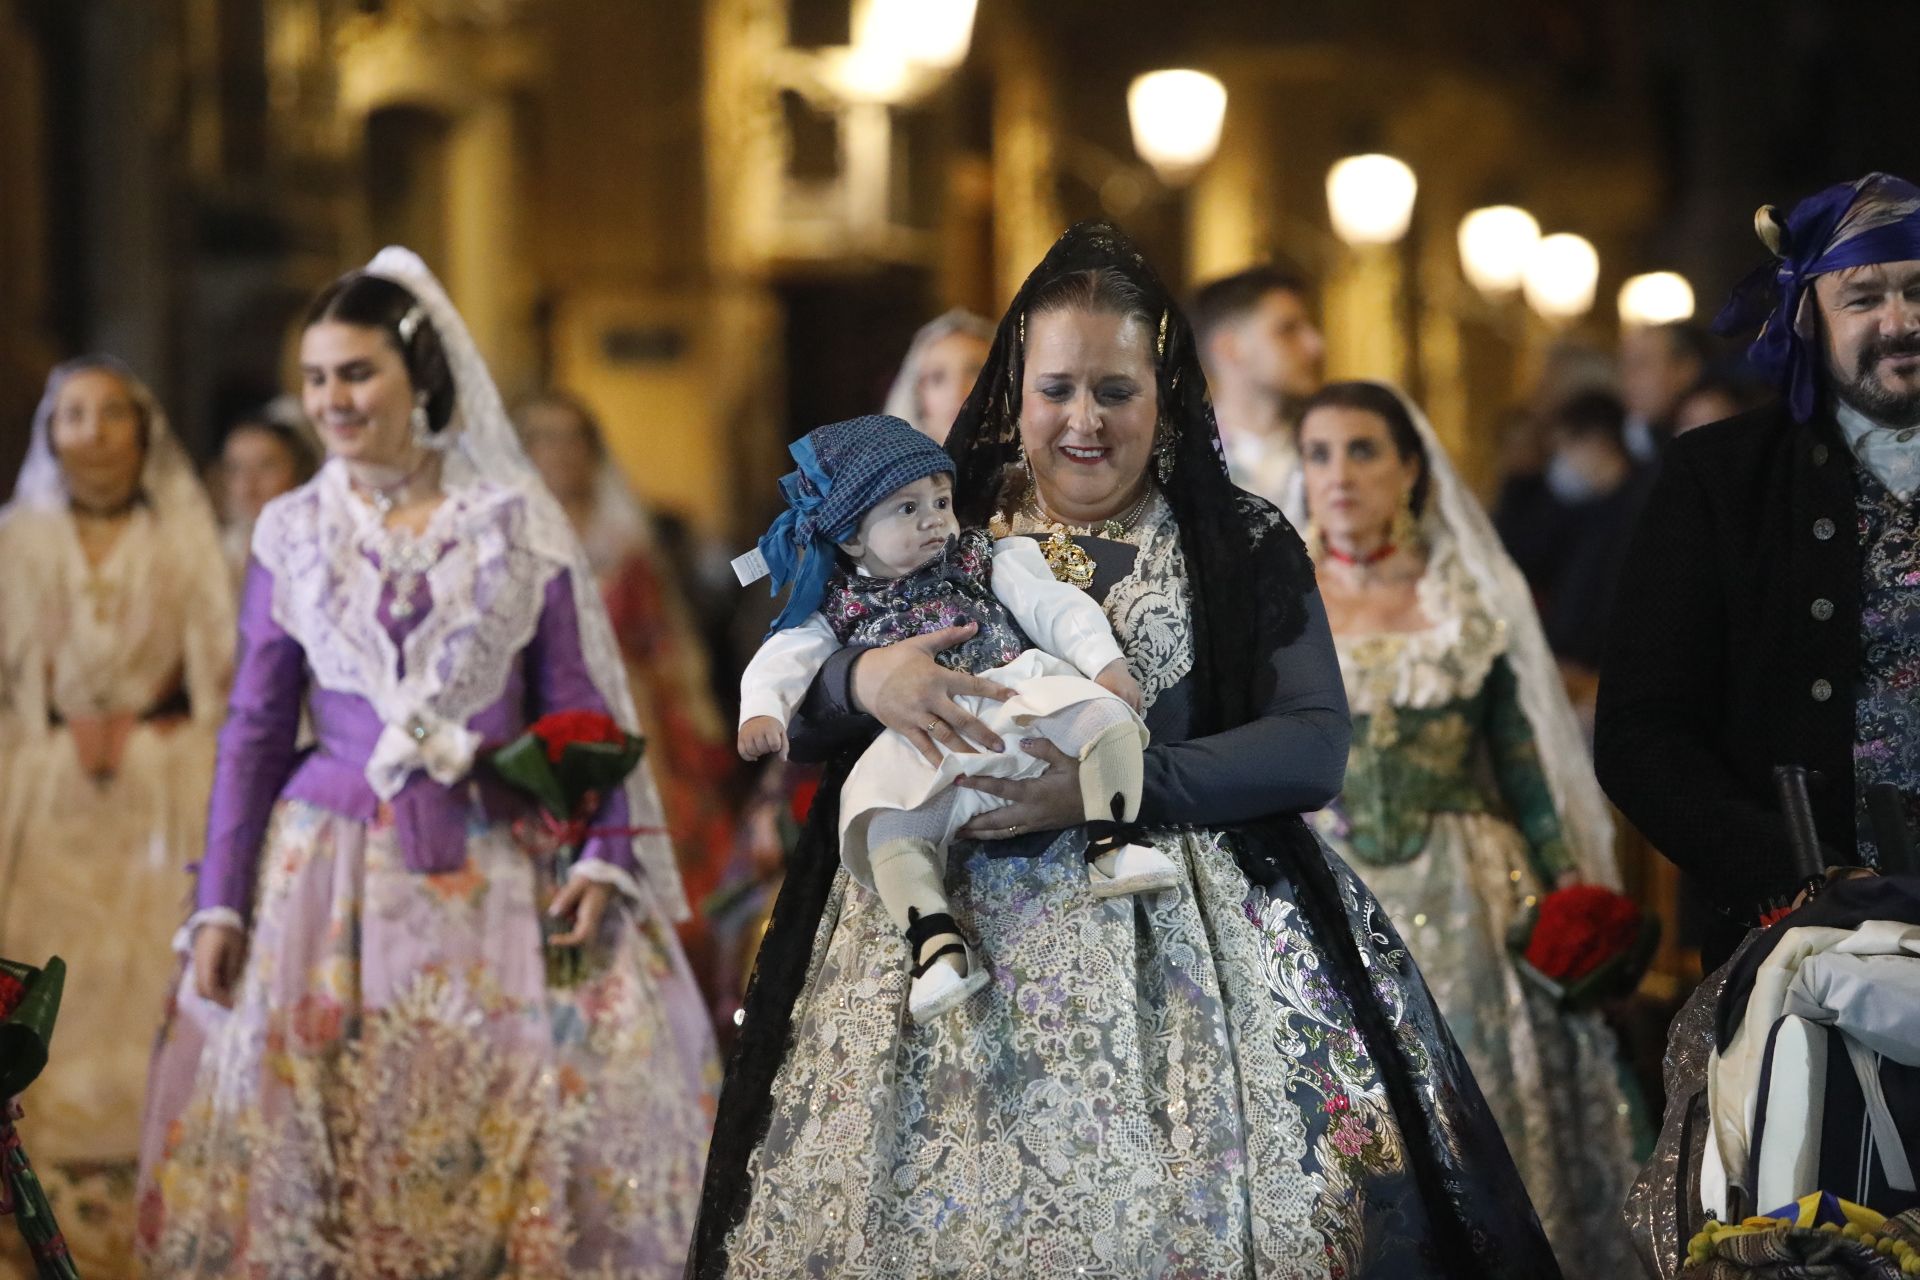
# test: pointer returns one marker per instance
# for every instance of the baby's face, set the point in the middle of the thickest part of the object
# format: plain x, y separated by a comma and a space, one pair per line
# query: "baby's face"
907, 529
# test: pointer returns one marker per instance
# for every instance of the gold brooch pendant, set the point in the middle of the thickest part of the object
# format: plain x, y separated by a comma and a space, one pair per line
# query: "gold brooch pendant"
1068, 559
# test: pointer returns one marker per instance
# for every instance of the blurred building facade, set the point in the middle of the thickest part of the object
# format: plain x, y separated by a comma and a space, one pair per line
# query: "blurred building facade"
677, 208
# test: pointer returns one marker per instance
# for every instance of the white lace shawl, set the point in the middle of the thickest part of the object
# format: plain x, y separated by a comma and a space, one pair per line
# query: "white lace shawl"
1458, 528
110, 638
510, 537
1447, 661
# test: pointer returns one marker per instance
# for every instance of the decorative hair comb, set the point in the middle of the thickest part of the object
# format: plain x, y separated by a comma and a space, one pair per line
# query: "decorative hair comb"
410, 324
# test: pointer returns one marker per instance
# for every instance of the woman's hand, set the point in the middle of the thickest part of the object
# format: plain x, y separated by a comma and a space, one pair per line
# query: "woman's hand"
902, 687
586, 901
219, 954
1049, 802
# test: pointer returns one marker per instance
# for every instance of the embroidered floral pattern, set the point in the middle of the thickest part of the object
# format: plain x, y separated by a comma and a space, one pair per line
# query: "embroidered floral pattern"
954, 588
412, 1101
1886, 713
1149, 607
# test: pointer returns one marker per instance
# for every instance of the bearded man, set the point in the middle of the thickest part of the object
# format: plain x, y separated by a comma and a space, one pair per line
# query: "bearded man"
1767, 613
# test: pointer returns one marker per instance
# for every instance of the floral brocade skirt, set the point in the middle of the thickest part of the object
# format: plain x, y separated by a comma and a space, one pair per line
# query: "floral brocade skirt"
1159, 1086
1551, 1079
399, 1093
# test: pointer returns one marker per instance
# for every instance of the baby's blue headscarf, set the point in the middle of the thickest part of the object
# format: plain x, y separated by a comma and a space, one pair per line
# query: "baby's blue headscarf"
845, 470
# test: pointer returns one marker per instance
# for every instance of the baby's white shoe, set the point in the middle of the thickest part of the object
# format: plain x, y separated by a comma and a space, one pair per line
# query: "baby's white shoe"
1132, 868
937, 987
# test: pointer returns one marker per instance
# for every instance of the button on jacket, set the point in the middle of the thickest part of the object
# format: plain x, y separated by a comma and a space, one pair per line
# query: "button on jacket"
1734, 647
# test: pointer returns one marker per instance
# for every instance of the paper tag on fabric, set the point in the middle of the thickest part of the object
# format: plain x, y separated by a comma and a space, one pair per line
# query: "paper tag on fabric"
750, 568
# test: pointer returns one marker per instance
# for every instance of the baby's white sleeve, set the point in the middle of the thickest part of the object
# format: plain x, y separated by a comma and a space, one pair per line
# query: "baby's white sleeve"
777, 678
1057, 616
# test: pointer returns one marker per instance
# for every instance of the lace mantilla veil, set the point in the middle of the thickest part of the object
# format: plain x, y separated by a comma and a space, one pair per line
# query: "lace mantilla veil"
168, 481
903, 397
483, 448
179, 533
1453, 516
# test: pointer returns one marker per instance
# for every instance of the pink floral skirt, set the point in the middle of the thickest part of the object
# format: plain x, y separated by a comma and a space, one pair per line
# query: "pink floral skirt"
397, 1091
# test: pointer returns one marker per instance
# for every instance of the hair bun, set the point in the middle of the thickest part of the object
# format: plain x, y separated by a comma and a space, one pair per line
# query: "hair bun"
1772, 231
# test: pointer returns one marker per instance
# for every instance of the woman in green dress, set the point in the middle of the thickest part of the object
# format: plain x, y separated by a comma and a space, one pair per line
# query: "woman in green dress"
1468, 792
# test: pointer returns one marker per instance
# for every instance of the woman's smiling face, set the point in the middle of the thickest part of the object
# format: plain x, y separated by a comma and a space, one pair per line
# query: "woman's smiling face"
355, 390
1088, 408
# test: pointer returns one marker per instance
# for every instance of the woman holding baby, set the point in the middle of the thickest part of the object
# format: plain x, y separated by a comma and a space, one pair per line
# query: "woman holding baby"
1238, 1075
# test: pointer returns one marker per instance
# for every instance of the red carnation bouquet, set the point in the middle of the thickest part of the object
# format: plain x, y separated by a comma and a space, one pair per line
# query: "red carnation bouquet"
568, 762
1584, 944
29, 1004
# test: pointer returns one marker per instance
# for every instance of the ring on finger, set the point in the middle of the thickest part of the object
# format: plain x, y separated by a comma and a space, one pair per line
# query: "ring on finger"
931, 725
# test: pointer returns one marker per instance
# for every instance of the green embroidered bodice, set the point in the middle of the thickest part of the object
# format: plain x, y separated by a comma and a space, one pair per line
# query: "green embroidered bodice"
1438, 728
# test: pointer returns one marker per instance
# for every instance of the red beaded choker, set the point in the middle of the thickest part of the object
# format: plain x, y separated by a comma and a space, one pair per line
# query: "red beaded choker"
1372, 557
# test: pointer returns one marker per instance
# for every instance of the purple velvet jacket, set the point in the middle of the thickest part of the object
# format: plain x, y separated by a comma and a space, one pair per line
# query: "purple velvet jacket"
259, 761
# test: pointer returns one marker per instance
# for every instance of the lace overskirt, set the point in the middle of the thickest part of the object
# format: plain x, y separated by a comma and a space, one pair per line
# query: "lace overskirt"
1158, 1086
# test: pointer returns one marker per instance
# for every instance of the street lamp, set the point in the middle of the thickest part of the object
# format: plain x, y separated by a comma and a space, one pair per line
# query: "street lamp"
1560, 277
1658, 297
901, 49
1371, 199
1176, 118
1495, 244
930, 34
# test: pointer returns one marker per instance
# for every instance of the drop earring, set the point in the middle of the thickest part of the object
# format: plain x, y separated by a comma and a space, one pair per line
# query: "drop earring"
421, 427
1163, 457
1405, 530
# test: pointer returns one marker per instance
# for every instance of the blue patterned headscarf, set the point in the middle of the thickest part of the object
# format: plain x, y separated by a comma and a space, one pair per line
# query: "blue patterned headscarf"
845, 470
1863, 223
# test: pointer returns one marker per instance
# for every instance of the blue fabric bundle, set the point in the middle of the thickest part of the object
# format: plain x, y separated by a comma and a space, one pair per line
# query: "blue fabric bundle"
845, 470
1863, 223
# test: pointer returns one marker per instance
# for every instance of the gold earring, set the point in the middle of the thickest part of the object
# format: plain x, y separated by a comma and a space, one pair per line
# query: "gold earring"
1404, 530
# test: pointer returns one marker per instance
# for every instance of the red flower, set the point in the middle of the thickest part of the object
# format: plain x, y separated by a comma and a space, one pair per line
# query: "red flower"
12, 992
1580, 929
559, 728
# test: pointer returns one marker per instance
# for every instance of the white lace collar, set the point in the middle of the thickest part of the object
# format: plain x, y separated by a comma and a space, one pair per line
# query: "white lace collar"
487, 588
1443, 662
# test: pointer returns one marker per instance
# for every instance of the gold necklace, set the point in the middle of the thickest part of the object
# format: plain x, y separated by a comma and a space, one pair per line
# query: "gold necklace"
1067, 559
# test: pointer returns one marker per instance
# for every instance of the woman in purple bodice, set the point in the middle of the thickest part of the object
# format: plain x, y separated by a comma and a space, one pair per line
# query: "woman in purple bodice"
367, 1070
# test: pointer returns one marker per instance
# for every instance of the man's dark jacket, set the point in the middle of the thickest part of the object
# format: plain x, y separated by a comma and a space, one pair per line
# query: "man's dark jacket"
1734, 647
